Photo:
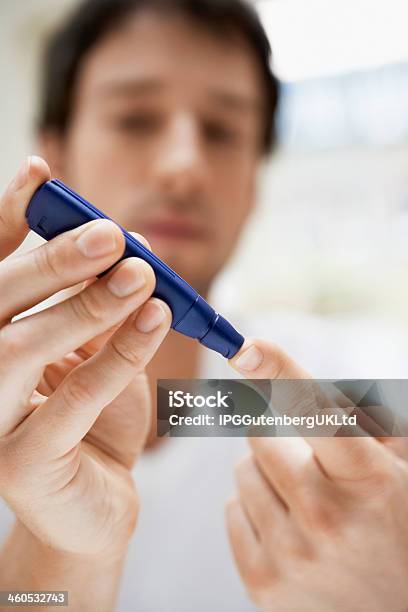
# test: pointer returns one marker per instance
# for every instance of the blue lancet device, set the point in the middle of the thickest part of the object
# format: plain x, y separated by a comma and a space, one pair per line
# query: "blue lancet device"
55, 208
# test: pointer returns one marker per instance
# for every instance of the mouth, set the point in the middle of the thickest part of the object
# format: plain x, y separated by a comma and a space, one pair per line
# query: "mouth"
173, 229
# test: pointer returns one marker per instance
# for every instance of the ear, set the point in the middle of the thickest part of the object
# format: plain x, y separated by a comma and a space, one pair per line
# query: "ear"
50, 146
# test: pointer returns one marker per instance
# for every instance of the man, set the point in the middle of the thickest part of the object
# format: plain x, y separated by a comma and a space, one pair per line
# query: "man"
159, 112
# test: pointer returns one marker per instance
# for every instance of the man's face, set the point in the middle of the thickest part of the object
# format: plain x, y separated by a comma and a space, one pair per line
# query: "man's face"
165, 136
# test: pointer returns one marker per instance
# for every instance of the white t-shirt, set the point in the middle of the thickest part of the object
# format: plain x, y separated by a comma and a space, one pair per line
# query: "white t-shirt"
179, 558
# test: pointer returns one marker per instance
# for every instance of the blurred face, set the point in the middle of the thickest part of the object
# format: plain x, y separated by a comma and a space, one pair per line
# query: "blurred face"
165, 138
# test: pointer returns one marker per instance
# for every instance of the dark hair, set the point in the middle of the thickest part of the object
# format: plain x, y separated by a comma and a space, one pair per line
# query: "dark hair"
92, 19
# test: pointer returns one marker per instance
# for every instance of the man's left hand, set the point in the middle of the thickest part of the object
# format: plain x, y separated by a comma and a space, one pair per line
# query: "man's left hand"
318, 525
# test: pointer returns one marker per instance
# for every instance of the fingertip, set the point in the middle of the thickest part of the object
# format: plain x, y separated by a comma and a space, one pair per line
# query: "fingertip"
152, 317
234, 359
33, 171
149, 274
141, 239
120, 238
249, 358
38, 169
166, 308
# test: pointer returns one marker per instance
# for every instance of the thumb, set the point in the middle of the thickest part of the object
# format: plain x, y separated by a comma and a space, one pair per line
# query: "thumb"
13, 204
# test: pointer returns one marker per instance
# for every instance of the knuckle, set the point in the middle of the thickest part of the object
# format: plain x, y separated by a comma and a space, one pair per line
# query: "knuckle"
301, 478
297, 551
364, 459
256, 573
318, 512
262, 579
47, 260
87, 307
125, 354
287, 541
13, 342
77, 390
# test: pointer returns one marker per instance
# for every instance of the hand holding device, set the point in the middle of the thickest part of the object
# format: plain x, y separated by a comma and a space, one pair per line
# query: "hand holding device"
65, 454
55, 208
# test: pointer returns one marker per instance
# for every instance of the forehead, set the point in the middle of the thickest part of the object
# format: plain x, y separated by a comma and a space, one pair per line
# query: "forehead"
154, 52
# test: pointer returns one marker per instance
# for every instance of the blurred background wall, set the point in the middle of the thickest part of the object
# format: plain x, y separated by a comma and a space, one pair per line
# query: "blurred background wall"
330, 234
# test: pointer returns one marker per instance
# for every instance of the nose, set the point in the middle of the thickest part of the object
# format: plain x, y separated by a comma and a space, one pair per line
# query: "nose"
180, 166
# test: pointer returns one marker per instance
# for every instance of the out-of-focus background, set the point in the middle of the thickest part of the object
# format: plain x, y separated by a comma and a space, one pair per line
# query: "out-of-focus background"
331, 233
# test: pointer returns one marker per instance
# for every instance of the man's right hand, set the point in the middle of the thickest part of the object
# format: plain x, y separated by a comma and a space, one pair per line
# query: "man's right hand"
64, 470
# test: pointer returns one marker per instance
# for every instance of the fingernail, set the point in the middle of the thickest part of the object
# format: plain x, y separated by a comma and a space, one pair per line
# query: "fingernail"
22, 175
98, 240
150, 317
250, 360
127, 279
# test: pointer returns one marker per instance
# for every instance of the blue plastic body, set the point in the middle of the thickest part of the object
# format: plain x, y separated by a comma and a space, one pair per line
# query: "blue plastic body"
55, 208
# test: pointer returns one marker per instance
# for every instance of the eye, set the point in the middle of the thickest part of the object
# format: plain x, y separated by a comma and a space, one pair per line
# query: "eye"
217, 133
138, 123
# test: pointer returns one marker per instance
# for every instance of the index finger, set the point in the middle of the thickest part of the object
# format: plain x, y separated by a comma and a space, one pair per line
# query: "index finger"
340, 457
